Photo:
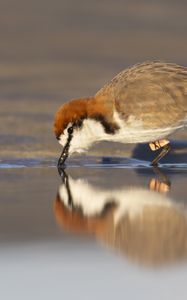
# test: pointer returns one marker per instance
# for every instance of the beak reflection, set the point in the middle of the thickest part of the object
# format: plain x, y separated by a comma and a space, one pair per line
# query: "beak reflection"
62, 158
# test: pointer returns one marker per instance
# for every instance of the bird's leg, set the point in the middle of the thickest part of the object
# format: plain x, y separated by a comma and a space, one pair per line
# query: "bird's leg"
165, 145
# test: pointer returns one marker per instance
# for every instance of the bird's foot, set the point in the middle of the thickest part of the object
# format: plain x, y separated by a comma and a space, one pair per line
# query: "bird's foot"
158, 144
165, 145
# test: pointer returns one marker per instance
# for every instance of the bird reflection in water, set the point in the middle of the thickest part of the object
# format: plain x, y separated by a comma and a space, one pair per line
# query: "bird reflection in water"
145, 225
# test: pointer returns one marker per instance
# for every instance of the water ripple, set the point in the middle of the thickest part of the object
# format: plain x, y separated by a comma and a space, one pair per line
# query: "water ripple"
89, 162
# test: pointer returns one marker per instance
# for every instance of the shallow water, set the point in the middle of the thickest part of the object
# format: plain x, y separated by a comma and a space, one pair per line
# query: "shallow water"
110, 227
102, 228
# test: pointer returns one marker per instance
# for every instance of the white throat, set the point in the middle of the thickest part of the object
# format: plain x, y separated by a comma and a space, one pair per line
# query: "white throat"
90, 132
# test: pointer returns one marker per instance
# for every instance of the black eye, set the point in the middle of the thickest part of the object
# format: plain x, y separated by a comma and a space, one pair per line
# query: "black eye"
70, 130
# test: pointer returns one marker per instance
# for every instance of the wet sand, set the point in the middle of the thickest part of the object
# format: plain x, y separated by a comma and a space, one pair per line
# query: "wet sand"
111, 227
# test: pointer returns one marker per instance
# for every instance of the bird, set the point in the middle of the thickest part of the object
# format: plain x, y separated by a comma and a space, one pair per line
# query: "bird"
144, 103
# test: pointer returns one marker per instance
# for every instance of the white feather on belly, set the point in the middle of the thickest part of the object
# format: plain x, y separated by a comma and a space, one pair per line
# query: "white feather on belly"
133, 131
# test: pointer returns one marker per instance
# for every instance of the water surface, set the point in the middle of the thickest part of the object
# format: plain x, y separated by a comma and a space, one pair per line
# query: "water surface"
103, 228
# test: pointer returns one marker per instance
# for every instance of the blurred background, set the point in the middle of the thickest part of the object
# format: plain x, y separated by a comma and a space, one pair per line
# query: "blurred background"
52, 51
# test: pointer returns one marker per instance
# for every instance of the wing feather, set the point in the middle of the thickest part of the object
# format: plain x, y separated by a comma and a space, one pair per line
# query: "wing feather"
153, 92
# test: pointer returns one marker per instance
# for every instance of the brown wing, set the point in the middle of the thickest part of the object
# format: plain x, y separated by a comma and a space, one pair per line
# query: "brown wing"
154, 92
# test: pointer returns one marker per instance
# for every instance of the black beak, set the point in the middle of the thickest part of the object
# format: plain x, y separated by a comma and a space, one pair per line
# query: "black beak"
63, 156
65, 152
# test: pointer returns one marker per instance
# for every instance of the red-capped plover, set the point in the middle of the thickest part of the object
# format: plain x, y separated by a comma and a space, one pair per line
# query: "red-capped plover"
144, 103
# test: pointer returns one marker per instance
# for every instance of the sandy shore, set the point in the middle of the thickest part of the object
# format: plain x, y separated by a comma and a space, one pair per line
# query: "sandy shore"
52, 53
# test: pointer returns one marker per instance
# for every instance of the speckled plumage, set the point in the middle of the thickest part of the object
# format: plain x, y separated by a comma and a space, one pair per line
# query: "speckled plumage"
153, 92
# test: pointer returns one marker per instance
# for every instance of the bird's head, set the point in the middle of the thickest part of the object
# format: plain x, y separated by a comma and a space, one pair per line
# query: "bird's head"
81, 122
68, 127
